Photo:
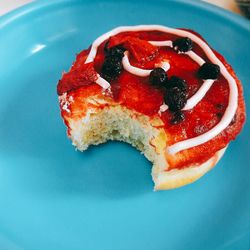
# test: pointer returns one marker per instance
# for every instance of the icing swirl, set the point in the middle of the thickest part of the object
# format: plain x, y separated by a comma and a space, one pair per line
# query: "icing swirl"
197, 97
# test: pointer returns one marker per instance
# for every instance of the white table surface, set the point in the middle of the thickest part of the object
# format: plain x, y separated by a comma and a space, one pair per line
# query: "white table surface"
8, 5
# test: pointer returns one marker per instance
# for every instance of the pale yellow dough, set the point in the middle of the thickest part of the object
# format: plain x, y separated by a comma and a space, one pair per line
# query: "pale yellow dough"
116, 122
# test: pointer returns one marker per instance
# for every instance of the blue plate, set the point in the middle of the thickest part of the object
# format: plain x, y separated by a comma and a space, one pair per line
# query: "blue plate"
52, 197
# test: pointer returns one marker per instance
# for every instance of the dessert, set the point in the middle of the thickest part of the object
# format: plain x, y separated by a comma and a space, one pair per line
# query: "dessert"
163, 90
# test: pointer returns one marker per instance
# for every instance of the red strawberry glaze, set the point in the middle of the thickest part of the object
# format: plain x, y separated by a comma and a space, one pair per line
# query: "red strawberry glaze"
136, 93
141, 50
77, 77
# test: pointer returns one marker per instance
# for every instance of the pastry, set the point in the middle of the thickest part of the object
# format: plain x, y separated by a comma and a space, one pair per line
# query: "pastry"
163, 90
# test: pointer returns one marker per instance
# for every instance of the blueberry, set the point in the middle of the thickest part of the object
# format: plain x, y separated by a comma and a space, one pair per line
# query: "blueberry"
176, 94
112, 65
106, 49
183, 44
175, 81
158, 77
209, 71
116, 51
220, 106
175, 98
219, 115
111, 68
178, 117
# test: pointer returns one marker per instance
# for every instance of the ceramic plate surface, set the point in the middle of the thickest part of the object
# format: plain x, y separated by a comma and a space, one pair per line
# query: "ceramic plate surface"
52, 197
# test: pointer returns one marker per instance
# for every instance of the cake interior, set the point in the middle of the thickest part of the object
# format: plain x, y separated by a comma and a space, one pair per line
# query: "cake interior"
121, 124
116, 122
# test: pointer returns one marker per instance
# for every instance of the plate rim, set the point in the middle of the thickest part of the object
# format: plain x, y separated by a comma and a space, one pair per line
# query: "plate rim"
16, 15
35, 6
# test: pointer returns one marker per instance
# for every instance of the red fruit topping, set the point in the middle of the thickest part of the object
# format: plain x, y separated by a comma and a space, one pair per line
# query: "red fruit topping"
80, 59
77, 77
119, 39
137, 93
141, 50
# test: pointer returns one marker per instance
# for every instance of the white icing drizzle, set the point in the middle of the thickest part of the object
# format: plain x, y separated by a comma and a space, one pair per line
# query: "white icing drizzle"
197, 97
134, 70
164, 65
195, 57
162, 43
137, 71
233, 90
163, 107
102, 82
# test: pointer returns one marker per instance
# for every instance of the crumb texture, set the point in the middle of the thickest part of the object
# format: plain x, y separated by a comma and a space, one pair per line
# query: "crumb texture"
122, 124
